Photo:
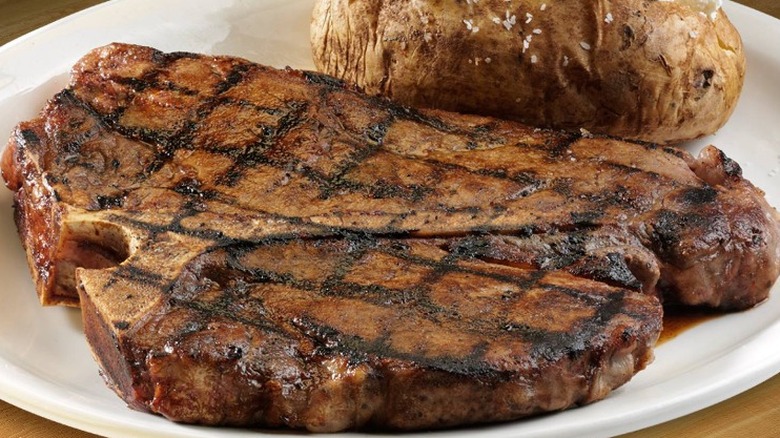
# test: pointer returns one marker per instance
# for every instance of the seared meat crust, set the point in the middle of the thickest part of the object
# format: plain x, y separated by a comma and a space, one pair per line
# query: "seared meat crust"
254, 246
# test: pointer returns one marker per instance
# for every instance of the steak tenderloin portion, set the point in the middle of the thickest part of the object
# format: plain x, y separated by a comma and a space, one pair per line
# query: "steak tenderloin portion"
261, 247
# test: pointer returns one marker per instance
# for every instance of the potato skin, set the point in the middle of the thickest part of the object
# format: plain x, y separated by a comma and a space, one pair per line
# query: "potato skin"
656, 71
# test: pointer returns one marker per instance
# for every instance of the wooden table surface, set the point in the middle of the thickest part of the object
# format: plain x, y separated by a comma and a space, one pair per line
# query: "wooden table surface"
755, 413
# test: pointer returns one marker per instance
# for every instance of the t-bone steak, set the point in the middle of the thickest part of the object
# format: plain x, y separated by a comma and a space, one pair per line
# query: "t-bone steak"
253, 246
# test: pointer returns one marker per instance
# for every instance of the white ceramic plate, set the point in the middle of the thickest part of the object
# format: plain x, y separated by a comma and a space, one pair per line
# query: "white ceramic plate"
46, 366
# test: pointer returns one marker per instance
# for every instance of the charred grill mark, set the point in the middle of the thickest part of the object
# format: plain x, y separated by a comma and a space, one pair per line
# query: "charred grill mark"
469, 247
29, 137
674, 151
109, 202
525, 283
559, 148
235, 284
413, 192
472, 246
552, 346
493, 173
255, 154
569, 254
545, 345
564, 252
474, 211
586, 218
485, 134
374, 294
233, 78
164, 59
525, 232
324, 80
329, 340
563, 186
328, 185
611, 269
136, 84
217, 236
210, 311
242, 161
191, 187
358, 350
357, 246
696, 196
166, 143
334, 285
669, 228
619, 273
375, 134
134, 274
196, 197
242, 103
618, 196
399, 112
476, 135
141, 85
529, 180
67, 98
466, 248
175, 227
257, 148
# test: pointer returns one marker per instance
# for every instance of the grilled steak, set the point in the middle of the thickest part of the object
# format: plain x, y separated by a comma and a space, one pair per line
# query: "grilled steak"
261, 247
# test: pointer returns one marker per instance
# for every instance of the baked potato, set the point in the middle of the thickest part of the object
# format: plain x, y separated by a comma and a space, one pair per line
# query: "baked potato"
651, 70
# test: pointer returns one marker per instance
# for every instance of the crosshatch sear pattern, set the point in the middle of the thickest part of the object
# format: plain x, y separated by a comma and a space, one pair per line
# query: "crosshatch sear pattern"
253, 246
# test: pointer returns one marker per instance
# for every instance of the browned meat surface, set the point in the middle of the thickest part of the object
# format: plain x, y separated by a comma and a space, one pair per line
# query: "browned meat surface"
254, 246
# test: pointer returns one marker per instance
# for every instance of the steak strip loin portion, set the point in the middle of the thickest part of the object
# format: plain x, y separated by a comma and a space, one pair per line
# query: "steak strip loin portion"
253, 246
